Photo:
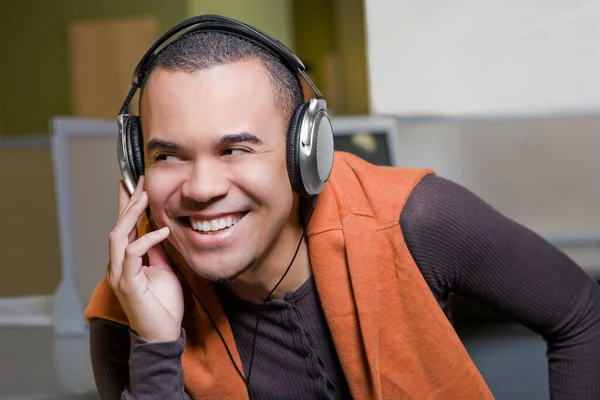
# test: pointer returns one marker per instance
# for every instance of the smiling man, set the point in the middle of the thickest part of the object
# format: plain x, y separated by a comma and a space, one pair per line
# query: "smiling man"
226, 282
216, 157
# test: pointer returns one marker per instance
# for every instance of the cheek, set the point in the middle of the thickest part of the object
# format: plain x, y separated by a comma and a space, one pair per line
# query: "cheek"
270, 173
159, 190
270, 184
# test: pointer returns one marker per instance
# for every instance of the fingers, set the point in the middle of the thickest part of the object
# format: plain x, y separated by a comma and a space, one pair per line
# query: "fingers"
123, 197
130, 218
125, 230
124, 233
125, 201
157, 255
132, 264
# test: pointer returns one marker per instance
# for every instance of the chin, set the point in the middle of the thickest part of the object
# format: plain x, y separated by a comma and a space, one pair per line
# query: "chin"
218, 269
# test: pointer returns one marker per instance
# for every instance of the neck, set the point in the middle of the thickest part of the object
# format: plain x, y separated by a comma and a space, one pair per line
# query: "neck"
258, 281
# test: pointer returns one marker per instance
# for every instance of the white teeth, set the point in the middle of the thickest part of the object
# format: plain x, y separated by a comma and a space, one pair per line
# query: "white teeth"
213, 225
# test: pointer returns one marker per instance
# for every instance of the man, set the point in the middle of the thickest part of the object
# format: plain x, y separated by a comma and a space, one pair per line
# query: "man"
206, 304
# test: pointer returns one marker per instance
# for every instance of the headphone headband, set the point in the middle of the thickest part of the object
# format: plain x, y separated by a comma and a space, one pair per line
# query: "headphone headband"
212, 22
218, 23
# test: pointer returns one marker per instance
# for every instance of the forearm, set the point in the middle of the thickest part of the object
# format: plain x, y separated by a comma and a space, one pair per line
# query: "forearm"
155, 370
127, 368
574, 358
574, 372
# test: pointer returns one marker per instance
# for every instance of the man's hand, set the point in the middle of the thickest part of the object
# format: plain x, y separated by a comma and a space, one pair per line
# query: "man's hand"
151, 295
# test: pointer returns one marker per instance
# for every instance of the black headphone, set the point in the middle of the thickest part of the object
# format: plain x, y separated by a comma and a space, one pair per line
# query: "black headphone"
310, 148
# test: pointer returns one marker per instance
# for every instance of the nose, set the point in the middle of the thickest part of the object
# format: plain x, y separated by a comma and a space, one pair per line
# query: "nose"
205, 183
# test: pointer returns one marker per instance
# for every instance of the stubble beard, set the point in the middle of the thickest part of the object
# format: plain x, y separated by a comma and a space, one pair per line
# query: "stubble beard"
234, 276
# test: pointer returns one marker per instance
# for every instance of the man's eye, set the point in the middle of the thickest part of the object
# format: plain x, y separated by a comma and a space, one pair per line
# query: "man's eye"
165, 157
234, 151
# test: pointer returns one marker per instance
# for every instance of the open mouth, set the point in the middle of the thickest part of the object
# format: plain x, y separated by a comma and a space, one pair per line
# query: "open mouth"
213, 226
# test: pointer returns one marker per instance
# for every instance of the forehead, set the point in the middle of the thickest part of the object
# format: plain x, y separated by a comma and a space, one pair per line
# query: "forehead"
222, 99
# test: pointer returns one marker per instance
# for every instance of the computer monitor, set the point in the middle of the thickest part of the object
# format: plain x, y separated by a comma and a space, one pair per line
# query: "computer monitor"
372, 138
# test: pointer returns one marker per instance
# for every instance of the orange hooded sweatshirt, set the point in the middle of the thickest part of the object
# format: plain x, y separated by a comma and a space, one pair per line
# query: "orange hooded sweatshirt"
391, 336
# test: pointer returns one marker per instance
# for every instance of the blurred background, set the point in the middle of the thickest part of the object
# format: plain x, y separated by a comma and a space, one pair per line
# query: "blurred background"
502, 97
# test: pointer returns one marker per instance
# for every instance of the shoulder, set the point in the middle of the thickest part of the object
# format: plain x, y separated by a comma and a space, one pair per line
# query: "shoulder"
347, 166
438, 203
362, 187
445, 224
447, 228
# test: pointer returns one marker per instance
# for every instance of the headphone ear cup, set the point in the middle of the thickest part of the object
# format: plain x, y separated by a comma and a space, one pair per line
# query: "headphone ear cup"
135, 142
293, 162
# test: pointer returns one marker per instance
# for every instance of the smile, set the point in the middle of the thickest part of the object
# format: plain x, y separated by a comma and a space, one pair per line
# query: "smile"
216, 225
215, 232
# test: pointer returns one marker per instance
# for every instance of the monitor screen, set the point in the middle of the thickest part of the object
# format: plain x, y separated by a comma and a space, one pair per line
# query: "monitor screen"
370, 138
370, 146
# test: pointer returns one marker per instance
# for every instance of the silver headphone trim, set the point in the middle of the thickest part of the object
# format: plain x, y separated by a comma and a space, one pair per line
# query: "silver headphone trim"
123, 153
307, 154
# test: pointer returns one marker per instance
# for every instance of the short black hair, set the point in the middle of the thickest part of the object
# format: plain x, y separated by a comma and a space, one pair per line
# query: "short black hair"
202, 50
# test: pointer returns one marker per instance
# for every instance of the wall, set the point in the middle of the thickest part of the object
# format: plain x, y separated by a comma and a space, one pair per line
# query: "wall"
4, 18
350, 39
314, 38
332, 41
536, 171
29, 247
35, 78
2, 81
272, 16
469, 57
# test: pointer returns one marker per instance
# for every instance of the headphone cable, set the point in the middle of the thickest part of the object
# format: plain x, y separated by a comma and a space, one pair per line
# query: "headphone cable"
266, 300
240, 373
304, 226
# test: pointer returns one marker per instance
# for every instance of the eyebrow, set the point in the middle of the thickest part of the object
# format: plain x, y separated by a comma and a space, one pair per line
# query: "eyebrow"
239, 138
156, 143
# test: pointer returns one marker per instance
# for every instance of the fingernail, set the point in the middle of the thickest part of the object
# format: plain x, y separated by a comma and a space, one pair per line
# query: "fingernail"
143, 195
